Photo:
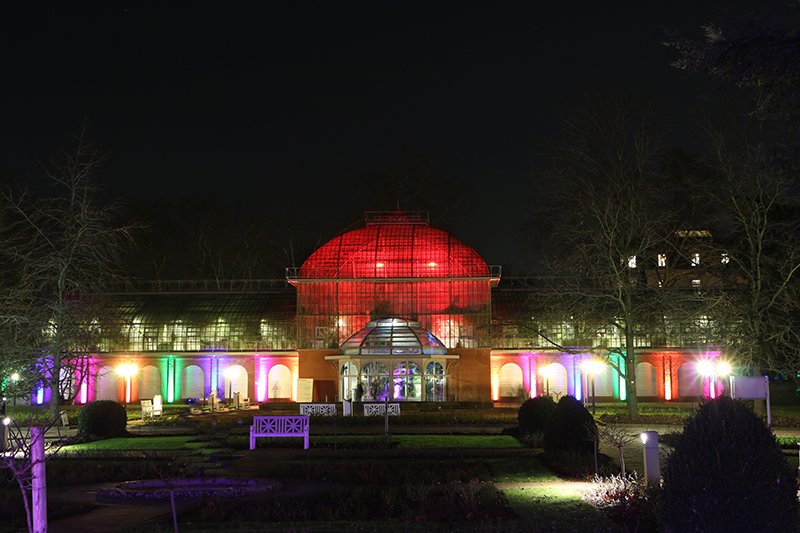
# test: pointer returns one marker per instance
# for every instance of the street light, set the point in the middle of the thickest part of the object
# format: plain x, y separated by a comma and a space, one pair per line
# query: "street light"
547, 371
229, 374
706, 367
724, 369
127, 371
592, 368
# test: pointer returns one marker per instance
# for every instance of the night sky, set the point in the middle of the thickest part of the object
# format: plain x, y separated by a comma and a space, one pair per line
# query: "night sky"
284, 104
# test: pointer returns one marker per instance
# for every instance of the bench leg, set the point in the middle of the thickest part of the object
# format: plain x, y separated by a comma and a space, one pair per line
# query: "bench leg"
305, 442
252, 442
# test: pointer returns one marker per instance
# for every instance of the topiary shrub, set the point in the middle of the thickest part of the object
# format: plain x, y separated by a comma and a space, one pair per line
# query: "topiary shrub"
570, 429
103, 419
727, 474
533, 415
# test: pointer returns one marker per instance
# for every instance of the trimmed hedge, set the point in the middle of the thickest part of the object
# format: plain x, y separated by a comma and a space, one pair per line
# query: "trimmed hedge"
103, 419
727, 474
534, 414
570, 428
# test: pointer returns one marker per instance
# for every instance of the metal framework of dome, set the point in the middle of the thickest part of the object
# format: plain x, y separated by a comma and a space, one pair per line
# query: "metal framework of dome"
393, 336
394, 245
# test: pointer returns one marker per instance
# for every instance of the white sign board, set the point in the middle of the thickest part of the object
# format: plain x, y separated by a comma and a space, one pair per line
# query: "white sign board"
751, 388
305, 390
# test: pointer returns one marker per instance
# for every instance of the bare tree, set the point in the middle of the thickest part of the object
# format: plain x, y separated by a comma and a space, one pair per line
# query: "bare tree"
24, 454
761, 222
63, 251
612, 210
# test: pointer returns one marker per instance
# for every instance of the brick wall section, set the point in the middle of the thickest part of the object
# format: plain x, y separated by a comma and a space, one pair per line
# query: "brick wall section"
312, 364
470, 376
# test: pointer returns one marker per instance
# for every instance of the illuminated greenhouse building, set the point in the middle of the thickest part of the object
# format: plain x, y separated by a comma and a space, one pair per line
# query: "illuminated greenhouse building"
394, 310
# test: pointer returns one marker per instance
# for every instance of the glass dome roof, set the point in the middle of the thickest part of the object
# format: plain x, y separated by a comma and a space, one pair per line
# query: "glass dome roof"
393, 336
402, 248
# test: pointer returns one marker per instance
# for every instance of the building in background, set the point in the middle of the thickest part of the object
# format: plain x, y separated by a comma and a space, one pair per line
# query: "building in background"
393, 310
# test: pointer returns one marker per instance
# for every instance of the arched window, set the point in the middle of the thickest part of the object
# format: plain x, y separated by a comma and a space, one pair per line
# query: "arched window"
555, 382
646, 384
435, 382
407, 382
375, 381
150, 383
280, 382
107, 384
511, 381
237, 382
687, 380
192, 382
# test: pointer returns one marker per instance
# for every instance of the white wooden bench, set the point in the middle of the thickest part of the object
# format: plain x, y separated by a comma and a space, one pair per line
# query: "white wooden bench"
379, 409
318, 409
152, 408
279, 426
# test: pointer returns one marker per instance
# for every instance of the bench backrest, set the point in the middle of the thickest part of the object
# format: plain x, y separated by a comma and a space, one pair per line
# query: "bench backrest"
280, 426
379, 409
319, 409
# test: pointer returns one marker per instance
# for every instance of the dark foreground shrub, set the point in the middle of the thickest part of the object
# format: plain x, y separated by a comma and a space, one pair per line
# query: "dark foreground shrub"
727, 474
102, 419
533, 415
570, 428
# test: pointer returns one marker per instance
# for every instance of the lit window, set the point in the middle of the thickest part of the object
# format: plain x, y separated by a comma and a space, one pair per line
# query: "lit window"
695, 283
662, 260
695, 259
632, 261
725, 259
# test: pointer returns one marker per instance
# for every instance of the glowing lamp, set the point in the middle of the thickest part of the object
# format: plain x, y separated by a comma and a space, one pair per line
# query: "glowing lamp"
705, 367
14, 377
431, 264
127, 371
723, 369
379, 265
644, 438
6, 421
592, 367
229, 374
547, 371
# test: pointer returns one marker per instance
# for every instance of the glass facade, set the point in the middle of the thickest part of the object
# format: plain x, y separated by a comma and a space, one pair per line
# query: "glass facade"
395, 266
188, 322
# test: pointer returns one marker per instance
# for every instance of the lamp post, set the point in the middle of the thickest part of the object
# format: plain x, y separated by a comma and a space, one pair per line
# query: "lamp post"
14, 379
591, 368
706, 368
547, 371
229, 374
127, 371
723, 369
652, 466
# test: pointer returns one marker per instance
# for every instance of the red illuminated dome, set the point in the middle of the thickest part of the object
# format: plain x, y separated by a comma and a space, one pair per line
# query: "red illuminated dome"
394, 245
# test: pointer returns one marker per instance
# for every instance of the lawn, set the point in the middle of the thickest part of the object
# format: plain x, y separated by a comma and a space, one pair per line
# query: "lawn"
557, 509
423, 482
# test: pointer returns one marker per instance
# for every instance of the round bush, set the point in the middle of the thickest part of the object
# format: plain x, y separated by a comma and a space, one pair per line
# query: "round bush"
534, 413
103, 419
570, 428
728, 474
